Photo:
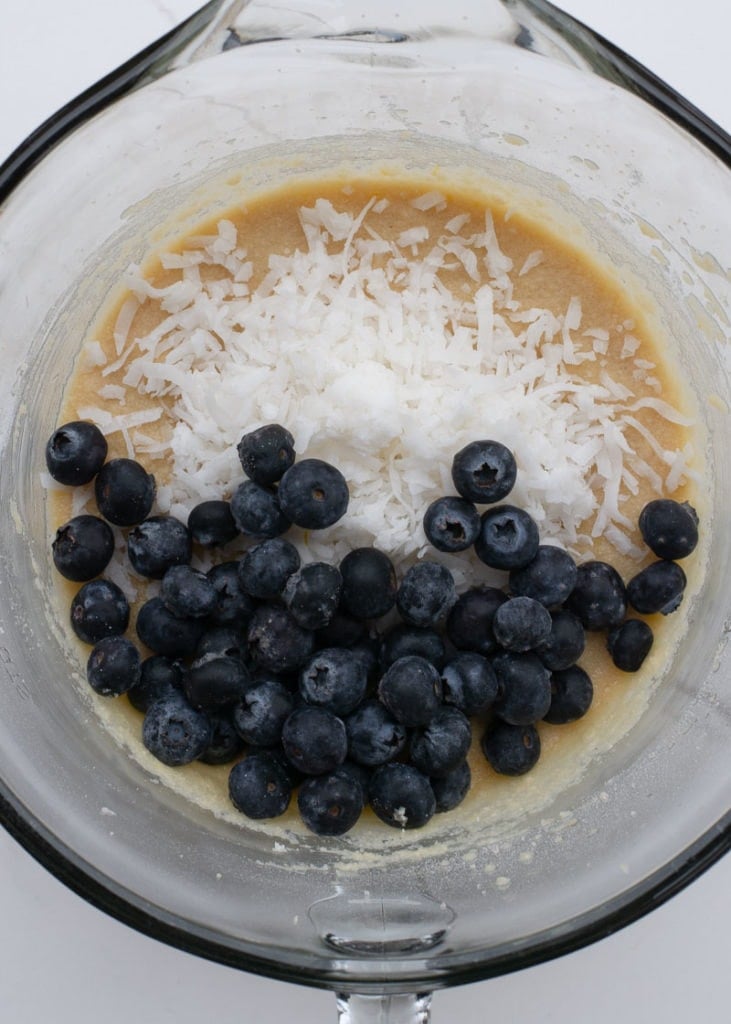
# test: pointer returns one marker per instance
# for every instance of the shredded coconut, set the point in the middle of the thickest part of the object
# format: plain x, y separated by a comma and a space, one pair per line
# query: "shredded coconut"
93, 354
630, 346
429, 201
532, 260
363, 351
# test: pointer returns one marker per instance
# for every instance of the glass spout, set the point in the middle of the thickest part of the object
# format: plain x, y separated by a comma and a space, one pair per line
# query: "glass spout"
242, 23
534, 25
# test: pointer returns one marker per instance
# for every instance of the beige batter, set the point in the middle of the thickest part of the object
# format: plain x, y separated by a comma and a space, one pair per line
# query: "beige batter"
270, 223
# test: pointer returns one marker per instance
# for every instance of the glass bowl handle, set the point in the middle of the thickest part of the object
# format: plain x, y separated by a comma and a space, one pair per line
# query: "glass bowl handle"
386, 1009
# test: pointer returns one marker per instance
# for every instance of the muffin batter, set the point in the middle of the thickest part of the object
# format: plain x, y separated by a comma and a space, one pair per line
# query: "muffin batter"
518, 311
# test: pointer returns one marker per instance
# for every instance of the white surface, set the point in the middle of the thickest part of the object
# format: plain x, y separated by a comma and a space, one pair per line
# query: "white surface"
60, 959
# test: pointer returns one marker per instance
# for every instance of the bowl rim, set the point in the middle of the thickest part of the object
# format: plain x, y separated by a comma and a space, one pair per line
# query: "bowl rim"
506, 958
101, 891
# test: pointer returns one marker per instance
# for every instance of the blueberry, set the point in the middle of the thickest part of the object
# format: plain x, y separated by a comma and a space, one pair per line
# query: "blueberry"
124, 492
82, 548
264, 709
657, 588
484, 471
437, 748
216, 683
113, 666
629, 644
451, 524
157, 544
451, 789
374, 735
174, 732
75, 453
342, 630
211, 524
160, 678
469, 624
225, 744
312, 594
571, 695
313, 494
233, 606
511, 749
469, 683
266, 453
259, 786
549, 577
426, 594
265, 568
669, 528
369, 583
165, 633
508, 538
330, 805
314, 740
367, 650
402, 796
565, 643
402, 640
334, 678
524, 682
186, 592
359, 772
293, 774
411, 690
257, 512
521, 624
599, 597
221, 640
99, 609
276, 642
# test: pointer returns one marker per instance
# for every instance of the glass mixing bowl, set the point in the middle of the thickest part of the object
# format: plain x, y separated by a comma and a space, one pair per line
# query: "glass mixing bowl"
241, 92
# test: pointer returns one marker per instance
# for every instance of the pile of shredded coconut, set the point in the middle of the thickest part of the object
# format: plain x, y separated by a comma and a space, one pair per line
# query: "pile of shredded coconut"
357, 345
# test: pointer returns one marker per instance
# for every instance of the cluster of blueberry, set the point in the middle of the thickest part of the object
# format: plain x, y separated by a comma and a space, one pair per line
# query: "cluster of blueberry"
506, 537
265, 655
536, 632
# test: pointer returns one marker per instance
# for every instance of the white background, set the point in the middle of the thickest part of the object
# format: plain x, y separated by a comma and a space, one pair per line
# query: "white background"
60, 959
